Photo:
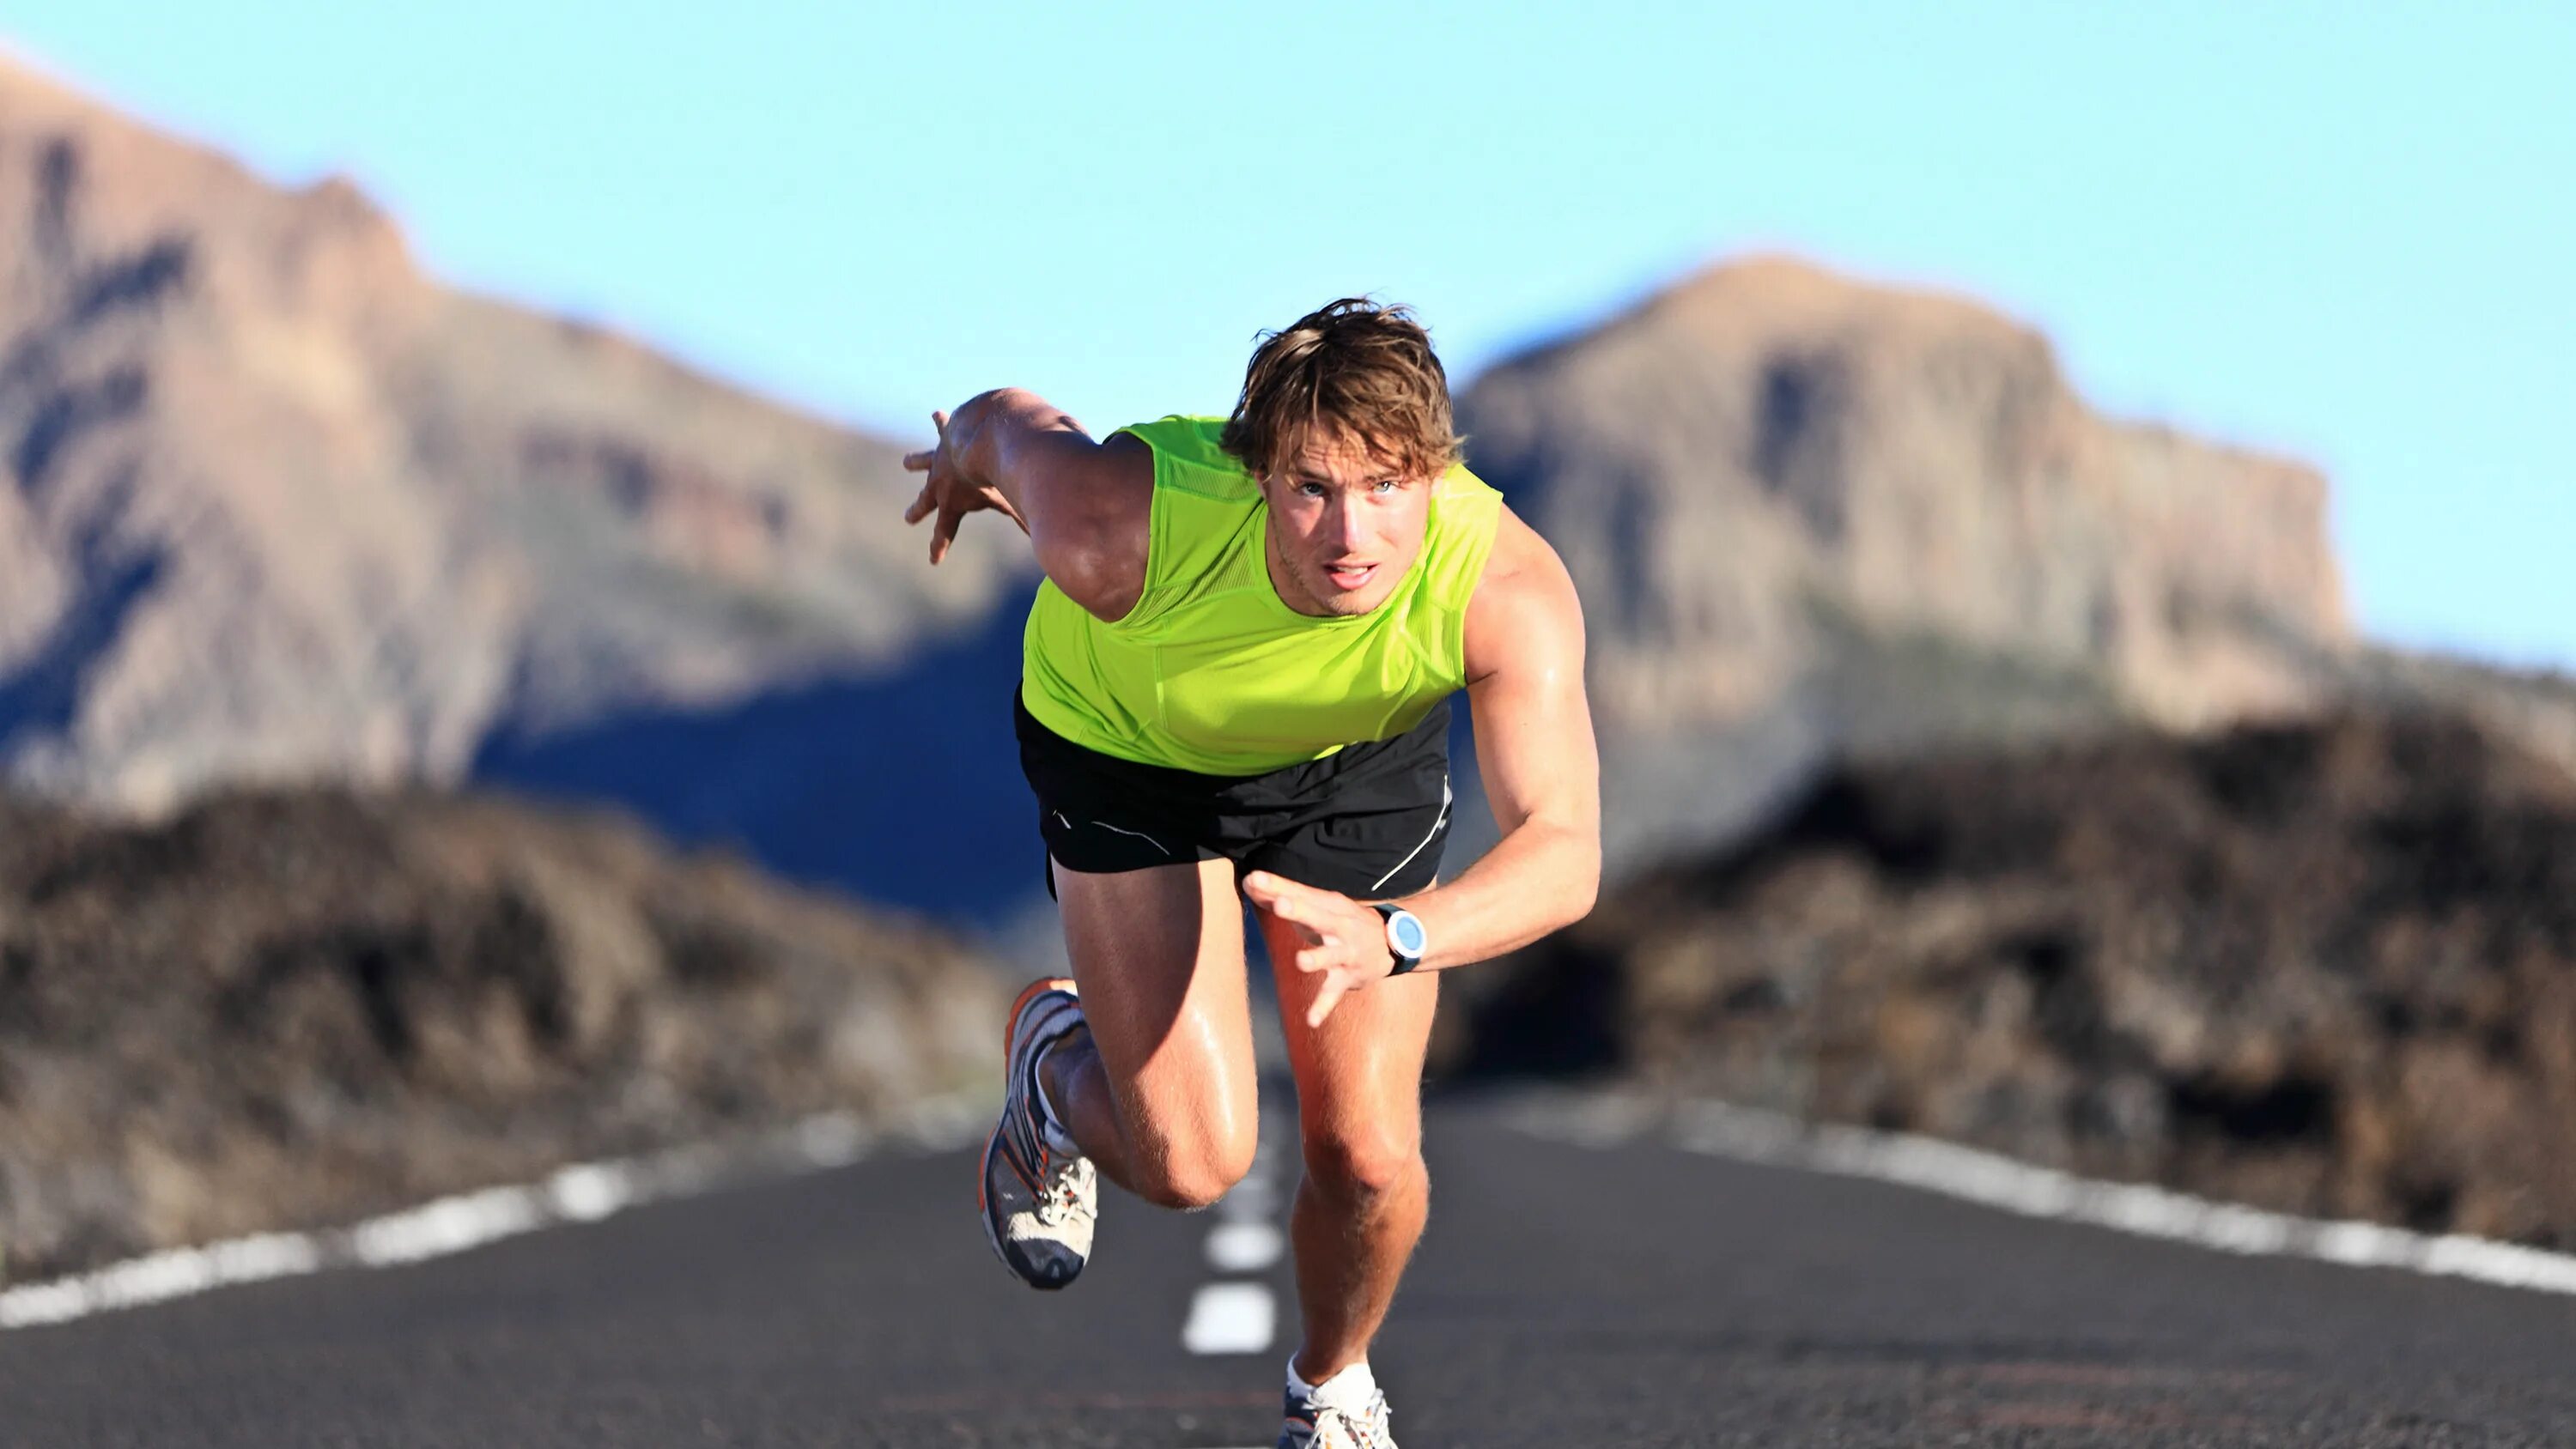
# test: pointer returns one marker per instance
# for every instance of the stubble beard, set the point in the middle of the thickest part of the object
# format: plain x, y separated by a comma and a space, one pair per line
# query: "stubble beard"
1308, 591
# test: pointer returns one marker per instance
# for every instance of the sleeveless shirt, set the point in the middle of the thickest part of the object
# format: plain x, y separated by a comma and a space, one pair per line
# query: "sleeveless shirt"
1211, 671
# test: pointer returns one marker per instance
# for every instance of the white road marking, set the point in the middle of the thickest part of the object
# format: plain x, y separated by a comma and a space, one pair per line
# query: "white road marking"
585, 1192
1238, 1317
1748, 1135
1231, 1318
1246, 1247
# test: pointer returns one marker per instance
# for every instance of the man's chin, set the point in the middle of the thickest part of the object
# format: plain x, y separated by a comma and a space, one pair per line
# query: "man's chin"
1350, 603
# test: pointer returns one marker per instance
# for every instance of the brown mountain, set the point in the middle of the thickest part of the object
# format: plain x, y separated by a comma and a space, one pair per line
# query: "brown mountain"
1812, 517
1810, 513
1767, 442
278, 505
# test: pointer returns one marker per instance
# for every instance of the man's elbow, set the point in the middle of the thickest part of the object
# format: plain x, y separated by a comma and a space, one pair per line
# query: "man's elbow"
1091, 579
1586, 895
1581, 878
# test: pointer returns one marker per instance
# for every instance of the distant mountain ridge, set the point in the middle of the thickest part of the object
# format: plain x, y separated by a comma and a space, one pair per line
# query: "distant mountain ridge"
1913, 462
1781, 490
281, 506
275, 506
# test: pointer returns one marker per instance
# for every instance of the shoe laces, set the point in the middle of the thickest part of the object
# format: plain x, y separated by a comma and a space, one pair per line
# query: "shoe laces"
1066, 1194
1366, 1427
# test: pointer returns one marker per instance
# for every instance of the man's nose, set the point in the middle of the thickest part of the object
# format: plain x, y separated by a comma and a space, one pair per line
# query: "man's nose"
1347, 525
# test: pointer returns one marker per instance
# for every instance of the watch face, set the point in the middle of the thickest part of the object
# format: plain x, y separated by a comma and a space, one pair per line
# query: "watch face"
1405, 932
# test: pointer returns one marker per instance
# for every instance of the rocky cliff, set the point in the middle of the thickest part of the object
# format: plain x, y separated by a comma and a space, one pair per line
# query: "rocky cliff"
276, 504
1808, 514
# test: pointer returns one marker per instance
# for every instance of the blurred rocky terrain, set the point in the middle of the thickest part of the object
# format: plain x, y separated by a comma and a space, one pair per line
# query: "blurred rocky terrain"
295, 1008
279, 506
279, 516
2327, 967
1812, 518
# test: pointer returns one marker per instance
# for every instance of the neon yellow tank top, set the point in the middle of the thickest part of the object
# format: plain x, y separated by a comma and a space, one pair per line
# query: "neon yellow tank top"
1212, 671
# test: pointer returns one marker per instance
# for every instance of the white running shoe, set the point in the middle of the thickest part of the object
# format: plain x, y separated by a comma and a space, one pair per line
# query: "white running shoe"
1038, 1204
1363, 1424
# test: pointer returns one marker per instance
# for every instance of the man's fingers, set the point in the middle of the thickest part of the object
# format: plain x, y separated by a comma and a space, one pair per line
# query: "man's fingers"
1305, 927
1285, 898
1327, 997
939, 420
919, 508
944, 532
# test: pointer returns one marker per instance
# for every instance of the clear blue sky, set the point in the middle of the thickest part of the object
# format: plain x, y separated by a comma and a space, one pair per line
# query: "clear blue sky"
2342, 231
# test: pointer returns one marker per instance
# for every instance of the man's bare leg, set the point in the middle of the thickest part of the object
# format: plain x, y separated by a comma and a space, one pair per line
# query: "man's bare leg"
1365, 1194
1158, 1087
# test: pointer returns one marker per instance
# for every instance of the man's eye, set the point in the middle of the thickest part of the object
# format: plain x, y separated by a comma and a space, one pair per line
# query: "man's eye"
1311, 490
1384, 485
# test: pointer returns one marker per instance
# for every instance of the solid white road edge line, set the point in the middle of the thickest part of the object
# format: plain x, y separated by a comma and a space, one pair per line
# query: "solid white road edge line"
1749, 1135
584, 1192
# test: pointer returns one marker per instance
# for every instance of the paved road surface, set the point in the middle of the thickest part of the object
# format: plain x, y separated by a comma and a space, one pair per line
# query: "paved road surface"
1634, 1295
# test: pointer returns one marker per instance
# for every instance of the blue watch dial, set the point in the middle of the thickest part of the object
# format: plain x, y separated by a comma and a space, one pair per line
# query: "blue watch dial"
1404, 930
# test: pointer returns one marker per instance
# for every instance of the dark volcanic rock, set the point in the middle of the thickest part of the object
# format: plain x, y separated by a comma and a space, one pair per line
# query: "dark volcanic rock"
292, 1009
2329, 968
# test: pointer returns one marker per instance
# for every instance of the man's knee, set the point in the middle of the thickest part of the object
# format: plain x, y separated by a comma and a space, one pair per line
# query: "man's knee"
1192, 1177
1362, 1161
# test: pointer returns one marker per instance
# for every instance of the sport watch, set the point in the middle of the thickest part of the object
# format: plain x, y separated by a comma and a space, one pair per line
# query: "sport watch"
1405, 938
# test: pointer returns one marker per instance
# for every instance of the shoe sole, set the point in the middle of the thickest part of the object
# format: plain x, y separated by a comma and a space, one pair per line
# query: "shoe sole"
993, 1144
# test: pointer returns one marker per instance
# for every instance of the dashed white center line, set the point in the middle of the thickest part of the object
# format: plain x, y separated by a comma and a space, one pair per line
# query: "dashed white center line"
1244, 1247
1239, 1317
1231, 1318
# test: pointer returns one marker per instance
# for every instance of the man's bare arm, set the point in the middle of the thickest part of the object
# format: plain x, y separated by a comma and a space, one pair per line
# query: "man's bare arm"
1534, 748
1086, 506
1542, 777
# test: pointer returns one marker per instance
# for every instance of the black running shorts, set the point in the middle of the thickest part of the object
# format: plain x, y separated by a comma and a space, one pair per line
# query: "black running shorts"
1368, 820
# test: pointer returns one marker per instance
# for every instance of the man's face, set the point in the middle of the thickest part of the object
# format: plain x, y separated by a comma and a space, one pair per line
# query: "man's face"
1345, 525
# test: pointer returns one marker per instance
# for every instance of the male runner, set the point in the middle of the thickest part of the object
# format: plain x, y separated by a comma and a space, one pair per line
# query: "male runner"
1236, 678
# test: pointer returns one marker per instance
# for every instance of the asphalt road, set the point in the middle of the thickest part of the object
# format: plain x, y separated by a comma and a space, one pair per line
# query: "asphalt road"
1631, 1295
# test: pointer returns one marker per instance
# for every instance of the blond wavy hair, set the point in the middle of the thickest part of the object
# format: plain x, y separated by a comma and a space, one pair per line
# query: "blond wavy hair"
1350, 367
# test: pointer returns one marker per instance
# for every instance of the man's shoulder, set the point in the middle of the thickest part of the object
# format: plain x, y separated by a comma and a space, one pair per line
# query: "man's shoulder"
1520, 559
1189, 453
1524, 602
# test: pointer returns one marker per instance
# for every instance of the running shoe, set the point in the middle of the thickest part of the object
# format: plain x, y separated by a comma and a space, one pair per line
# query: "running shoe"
1038, 1204
1313, 1425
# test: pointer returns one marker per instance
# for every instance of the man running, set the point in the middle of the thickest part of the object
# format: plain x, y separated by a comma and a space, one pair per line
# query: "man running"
1236, 679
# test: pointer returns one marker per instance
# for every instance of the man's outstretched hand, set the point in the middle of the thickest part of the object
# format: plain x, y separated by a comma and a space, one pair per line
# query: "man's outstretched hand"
1345, 942
949, 493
